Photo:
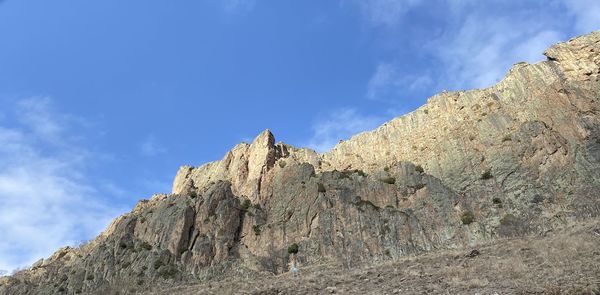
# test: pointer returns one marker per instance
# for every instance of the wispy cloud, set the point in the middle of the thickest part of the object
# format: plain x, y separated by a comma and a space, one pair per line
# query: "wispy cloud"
472, 44
383, 12
46, 201
38, 116
482, 48
388, 83
386, 78
234, 7
340, 124
586, 14
151, 147
476, 43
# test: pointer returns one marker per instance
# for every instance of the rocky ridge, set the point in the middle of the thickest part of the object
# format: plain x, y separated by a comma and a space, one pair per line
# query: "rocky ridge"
521, 157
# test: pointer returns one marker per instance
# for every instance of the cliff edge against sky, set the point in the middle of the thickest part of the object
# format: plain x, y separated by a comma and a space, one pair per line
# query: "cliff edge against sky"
519, 158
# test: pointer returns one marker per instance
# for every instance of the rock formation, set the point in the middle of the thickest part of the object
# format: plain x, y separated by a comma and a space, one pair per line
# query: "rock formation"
521, 157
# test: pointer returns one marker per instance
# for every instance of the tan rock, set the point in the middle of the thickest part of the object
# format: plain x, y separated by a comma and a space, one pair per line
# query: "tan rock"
517, 158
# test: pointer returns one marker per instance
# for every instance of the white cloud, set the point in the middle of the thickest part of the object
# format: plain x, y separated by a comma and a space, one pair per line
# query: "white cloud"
45, 200
476, 46
383, 12
150, 147
586, 13
385, 77
388, 83
36, 114
238, 6
481, 49
341, 124
531, 49
473, 46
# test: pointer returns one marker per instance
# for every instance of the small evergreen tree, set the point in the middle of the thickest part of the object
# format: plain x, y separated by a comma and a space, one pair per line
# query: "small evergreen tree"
293, 248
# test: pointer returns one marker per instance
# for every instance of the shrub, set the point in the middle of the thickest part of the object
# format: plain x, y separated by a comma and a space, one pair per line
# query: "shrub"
167, 271
256, 229
496, 201
487, 175
508, 219
146, 246
89, 277
282, 164
388, 180
293, 248
365, 203
344, 174
506, 138
467, 217
511, 225
360, 172
246, 204
193, 194
419, 169
385, 229
123, 245
157, 263
537, 199
321, 187
471, 137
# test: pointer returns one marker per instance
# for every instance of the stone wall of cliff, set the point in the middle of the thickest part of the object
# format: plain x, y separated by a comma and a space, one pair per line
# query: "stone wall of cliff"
521, 157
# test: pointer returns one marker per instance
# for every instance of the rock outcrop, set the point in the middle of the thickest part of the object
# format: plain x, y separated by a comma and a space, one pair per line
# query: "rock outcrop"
521, 157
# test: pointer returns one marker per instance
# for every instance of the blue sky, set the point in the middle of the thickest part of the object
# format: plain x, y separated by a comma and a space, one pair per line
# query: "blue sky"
102, 101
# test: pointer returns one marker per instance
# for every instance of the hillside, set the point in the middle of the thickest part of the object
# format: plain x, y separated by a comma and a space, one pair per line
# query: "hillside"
564, 262
518, 159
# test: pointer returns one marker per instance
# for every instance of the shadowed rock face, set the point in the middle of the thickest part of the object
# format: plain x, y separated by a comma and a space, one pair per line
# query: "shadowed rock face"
520, 157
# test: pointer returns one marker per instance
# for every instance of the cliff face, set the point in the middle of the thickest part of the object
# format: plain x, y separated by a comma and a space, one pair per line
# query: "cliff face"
517, 158
457, 136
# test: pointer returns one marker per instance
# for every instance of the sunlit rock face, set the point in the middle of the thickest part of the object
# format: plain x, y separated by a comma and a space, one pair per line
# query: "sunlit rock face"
521, 157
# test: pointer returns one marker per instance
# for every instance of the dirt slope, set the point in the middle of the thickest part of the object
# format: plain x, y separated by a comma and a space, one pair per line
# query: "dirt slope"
565, 262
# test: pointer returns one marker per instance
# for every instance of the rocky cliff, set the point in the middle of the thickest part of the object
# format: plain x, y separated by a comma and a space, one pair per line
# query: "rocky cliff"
521, 157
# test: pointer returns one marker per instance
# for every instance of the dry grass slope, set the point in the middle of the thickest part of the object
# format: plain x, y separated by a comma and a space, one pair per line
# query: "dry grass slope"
565, 262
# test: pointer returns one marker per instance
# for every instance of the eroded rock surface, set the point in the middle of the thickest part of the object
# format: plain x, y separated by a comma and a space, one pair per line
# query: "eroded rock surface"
521, 157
